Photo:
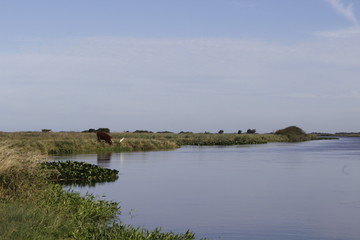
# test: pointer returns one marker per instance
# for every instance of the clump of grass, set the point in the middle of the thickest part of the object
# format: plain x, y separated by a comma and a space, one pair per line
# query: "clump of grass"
17, 171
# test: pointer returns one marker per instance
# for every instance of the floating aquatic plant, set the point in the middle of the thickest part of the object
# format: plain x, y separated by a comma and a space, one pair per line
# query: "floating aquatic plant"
80, 172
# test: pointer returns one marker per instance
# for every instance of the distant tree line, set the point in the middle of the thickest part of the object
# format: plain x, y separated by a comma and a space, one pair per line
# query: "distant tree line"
92, 130
107, 130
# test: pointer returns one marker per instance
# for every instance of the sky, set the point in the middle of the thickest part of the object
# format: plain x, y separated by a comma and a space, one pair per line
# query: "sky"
180, 65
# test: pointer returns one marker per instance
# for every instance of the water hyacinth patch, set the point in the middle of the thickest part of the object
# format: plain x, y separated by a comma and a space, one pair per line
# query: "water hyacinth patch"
80, 172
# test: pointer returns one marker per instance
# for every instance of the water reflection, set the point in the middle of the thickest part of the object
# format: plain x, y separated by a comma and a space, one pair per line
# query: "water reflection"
103, 159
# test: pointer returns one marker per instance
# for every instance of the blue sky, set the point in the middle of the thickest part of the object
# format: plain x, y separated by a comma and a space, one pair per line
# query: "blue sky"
180, 65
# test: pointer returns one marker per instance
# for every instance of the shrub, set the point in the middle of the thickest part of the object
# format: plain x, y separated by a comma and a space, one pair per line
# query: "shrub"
107, 130
292, 130
294, 133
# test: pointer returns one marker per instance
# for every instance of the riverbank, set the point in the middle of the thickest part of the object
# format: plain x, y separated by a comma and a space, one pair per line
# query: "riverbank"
32, 207
76, 142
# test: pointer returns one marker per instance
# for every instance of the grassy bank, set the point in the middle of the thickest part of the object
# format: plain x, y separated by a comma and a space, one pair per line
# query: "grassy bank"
75, 142
31, 207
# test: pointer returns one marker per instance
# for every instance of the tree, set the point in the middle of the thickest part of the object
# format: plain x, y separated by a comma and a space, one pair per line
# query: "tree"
107, 130
251, 131
221, 131
239, 132
91, 130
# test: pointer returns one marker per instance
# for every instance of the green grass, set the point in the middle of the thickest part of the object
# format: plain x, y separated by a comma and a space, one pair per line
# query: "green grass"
24, 220
59, 214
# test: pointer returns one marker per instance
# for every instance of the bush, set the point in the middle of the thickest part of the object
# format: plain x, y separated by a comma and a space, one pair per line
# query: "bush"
294, 133
292, 130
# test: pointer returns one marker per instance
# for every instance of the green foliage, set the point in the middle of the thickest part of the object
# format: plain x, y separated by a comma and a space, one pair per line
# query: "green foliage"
292, 130
295, 134
80, 172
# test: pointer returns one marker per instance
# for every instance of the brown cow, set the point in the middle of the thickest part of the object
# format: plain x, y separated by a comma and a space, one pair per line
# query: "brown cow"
104, 136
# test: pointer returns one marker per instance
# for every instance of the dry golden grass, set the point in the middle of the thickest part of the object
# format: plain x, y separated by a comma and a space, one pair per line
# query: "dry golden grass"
18, 169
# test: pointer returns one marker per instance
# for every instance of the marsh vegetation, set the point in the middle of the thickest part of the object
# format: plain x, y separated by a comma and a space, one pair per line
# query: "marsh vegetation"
76, 142
34, 206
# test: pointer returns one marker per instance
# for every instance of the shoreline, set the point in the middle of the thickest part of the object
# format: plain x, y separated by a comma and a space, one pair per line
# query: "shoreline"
34, 207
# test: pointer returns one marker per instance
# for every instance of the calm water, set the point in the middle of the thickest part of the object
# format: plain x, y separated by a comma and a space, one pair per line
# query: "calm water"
283, 191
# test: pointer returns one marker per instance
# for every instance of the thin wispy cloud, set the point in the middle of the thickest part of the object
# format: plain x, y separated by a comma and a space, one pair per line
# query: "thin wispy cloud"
134, 81
346, 10
353, 32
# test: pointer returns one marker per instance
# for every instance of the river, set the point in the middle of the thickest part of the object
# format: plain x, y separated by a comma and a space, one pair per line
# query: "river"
282, 191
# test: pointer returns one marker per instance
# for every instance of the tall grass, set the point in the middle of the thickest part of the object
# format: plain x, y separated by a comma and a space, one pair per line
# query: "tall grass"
67, 143
17, 171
